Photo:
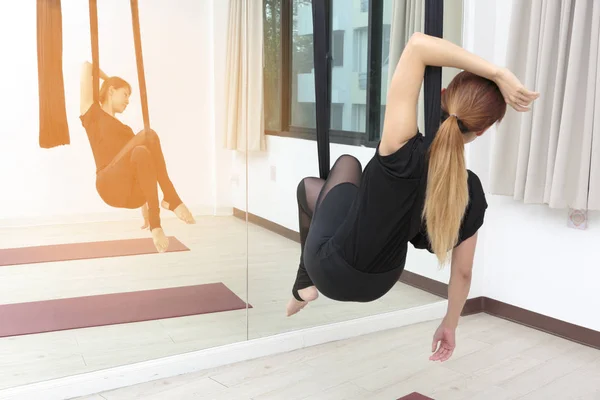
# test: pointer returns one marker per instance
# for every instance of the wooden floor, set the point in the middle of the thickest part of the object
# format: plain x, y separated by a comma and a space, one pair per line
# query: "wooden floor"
258, 265
494, 360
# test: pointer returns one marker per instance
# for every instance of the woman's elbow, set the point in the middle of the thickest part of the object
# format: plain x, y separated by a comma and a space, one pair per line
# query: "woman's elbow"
465, 275
86, 68
416, 39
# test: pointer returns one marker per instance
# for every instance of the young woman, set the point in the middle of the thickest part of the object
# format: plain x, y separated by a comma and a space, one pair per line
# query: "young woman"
362, 221
128, 166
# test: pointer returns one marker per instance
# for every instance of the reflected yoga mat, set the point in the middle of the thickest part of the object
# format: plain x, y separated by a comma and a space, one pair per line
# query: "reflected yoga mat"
83, 251
415, 396
117, 308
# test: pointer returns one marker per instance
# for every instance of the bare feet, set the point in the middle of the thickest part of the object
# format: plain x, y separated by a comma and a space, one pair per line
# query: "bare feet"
161, 241
181, 211
308, 294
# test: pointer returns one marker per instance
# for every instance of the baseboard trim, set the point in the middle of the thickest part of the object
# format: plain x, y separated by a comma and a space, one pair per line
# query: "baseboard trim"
566, 330
269, 225
426, 284
133, 374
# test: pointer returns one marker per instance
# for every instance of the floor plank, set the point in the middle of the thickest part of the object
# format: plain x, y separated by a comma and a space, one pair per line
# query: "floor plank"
390, 364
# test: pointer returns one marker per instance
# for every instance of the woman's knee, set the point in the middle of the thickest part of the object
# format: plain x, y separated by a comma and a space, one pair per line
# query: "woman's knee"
149, 137
348, 160
309, 184
301, 190
141, 154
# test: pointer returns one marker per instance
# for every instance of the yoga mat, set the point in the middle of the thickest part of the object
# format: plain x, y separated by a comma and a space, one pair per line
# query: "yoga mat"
117, 308
415, 396
83, 251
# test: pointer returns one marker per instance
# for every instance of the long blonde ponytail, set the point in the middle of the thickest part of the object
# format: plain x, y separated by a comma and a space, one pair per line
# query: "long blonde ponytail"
479, 103
447, 194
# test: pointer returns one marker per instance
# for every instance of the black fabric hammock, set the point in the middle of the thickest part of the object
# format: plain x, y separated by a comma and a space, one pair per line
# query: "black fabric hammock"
432, 82
322, 60
135, 19
321, 13
53, 127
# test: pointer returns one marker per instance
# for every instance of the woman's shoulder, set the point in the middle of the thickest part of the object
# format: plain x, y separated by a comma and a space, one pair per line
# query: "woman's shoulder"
407, 161
92, 113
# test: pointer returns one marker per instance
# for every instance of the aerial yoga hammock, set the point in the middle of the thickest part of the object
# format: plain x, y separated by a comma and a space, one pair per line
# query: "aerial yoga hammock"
128, 165
53, 126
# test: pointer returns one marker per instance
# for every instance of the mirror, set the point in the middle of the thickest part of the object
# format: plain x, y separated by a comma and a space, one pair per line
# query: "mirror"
102, 295
84, 288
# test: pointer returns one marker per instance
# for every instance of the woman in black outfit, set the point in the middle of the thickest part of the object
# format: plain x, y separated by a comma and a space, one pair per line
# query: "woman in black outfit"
356, 225
128, 166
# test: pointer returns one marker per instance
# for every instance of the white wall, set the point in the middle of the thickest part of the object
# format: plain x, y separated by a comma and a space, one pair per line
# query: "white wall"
531, 258
181, 74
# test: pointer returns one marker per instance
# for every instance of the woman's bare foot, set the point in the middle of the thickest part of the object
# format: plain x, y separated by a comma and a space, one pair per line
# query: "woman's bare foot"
308, 294
161, 241
181, 211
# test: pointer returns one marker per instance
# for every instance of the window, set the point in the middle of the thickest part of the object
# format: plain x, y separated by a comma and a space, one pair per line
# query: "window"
364, 6
361, 44
273, 64
338, 48
337, 116
303, 113
289, 69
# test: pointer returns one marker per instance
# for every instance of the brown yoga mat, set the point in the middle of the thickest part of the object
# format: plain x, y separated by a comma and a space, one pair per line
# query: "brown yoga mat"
83, 251
117, 308
415, 396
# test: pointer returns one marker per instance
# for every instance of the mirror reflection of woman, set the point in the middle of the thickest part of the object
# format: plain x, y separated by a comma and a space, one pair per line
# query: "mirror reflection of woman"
128, 166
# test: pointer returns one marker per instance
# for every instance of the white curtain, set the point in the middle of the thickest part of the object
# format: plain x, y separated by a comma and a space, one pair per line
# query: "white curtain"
407, 18
244, 96
551, 155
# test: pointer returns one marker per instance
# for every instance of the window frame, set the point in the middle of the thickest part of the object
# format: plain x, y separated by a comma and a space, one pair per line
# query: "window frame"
371, 136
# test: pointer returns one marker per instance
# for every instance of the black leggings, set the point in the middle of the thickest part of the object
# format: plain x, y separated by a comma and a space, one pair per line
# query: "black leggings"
310, 194
129, 181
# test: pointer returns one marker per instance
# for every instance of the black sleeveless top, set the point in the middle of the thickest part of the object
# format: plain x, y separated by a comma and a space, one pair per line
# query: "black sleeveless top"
386, 214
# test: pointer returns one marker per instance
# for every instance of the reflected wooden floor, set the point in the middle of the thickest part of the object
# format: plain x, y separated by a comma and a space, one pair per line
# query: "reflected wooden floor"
220, 252
494, 360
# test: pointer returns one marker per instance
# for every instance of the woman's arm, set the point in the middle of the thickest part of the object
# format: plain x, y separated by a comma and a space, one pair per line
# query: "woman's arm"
86, 96
400, 122
422, 50
438, 52
460, 279
444, 338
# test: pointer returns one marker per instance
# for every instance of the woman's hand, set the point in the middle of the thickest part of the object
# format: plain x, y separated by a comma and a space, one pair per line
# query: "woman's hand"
445, 337
146, 218
515, 94
103, 76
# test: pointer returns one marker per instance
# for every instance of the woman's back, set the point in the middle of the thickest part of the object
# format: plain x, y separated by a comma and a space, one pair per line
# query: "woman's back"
386, 213
377, 225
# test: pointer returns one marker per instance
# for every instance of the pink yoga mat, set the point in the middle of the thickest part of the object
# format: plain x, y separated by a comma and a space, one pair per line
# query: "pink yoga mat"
117, 308
415, 396
83, 251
